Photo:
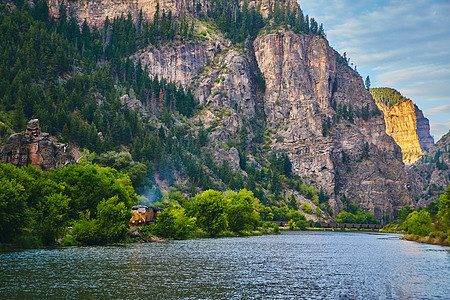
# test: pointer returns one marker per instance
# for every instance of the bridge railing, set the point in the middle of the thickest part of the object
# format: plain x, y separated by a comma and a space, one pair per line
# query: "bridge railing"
335, 225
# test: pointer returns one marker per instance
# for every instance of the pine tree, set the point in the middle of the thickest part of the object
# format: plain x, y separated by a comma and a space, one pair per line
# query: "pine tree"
18, 120
367, 82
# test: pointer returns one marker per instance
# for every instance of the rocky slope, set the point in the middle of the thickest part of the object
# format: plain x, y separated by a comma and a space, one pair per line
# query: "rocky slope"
407, 125
309, 106
304, 82
35, 148
430, 175
96, 11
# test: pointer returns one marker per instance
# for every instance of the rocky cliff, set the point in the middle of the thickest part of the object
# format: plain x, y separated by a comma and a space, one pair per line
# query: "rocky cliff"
304, 86
426, 141
430, 175
290, 93
95, 11
304, 82
34, 148
405, 123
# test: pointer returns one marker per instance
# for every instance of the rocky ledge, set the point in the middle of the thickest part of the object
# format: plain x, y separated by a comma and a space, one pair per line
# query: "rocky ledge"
34, 148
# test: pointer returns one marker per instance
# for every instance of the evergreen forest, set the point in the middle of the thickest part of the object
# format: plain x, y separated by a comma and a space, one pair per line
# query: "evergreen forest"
72, 78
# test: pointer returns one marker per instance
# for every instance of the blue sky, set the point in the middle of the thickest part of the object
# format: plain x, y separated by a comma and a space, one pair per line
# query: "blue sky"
403, 44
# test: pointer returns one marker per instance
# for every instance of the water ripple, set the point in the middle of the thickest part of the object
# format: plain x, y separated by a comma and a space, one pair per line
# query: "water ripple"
298, 265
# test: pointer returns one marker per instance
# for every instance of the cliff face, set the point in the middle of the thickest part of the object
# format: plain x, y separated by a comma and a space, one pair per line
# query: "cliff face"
34, 148
430, 175
409, 128
303, 80
305, 88
426, 141
96, 11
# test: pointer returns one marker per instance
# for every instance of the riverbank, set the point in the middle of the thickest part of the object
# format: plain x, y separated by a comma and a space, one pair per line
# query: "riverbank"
341, 229
139, 235
430, 239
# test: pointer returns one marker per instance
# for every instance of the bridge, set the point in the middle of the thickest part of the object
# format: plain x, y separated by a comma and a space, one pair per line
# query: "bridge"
334, 225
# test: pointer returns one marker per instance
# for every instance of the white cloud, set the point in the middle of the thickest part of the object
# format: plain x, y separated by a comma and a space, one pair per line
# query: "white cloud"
439, 129
439, 109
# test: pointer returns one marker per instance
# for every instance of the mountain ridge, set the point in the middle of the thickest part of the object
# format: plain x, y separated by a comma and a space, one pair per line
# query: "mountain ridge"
275, 111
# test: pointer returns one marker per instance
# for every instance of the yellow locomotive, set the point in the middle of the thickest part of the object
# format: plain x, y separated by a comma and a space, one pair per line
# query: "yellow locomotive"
143, 215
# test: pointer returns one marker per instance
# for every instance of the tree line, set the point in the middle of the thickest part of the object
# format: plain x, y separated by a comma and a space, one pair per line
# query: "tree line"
432, 222
72, 79
37, 207
387, 96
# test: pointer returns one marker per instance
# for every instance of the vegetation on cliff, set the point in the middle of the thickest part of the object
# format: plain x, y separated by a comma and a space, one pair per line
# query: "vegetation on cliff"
405, 123
431, 173
387, 96
72, 80
353, 214
88, 90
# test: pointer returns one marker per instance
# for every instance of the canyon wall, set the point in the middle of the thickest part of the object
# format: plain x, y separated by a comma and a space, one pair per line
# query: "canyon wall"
304, 82
96, 11
430, 175
292, 90
406, 124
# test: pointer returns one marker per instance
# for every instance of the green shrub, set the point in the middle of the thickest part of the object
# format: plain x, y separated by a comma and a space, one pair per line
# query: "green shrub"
69, 240
28, 241
318, 212
173, 223
209, 208
86, 232
418, 223
301, 225
307, 208
275, 227
292, 224
242, 213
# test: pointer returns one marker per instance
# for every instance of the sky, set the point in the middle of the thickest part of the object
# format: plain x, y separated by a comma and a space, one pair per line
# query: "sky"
402, 44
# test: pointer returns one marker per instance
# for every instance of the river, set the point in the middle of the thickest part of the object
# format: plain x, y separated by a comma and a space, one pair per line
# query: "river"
293, 265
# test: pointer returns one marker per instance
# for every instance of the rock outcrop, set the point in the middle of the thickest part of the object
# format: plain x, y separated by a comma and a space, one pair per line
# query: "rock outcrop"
179, 64
430, 175
34, 148
406, 124
95, 12
426, 141
304, 82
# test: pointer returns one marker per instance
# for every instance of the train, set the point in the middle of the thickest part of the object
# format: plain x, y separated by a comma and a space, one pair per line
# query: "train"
144, 215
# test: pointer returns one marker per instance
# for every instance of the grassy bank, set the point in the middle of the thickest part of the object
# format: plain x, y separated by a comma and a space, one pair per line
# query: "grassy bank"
430, 239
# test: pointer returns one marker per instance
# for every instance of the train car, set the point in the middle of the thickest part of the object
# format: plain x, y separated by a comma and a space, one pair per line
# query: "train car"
143, 215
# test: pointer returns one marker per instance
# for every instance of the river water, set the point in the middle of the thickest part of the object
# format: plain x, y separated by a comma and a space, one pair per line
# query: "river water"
293, 265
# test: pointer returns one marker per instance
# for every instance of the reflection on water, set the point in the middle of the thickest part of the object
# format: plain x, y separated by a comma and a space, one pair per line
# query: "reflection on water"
294, 265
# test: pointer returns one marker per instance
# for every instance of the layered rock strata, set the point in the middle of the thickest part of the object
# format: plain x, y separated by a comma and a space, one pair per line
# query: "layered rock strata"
304, 82
95, 11
409, 128
430, 175
34, 148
